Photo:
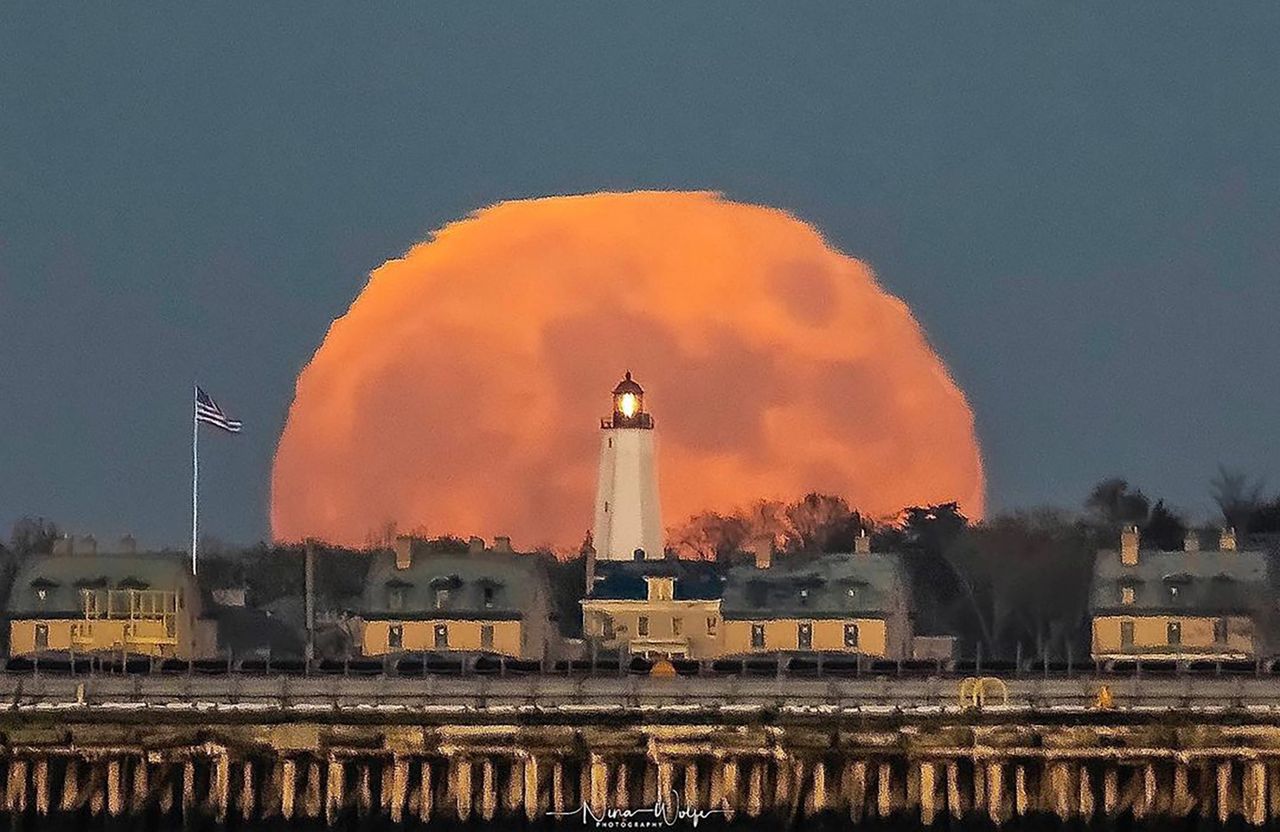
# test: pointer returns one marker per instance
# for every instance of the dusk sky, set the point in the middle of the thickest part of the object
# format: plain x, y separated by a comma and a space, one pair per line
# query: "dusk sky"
1080, 204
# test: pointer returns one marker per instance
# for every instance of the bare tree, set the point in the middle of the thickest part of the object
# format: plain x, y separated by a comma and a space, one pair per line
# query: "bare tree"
1237, 499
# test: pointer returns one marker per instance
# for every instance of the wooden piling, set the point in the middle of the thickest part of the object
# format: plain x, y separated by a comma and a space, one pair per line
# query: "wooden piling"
1224, 791
954, 805
1255, 793
532, 804
729, 788
41, 778
426, 788
247, 793
462, 787
70, 786
399, 787
995, 792
884, 790
691, 784
288, 786
335, 783
755, 789
928, 792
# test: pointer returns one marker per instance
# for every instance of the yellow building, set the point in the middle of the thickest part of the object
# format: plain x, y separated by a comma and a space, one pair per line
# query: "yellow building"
856, 602
1193, 603
657, 609
78, 600
419, 599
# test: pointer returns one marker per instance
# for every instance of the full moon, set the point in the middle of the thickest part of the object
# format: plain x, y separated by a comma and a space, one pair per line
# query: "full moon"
461, 392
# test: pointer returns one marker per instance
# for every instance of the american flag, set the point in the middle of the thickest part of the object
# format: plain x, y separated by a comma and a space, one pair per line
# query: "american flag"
207, 411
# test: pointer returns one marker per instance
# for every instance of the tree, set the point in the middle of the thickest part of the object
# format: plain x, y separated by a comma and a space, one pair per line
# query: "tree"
1237, 499
33, 536
1114, 505
813, 519
1026, 576
1164, 528
710, 536
924, 536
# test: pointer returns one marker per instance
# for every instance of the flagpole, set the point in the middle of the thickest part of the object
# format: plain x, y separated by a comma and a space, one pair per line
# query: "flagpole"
195, 478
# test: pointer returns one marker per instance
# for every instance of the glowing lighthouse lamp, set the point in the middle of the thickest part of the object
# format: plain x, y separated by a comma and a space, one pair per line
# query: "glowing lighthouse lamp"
628, 521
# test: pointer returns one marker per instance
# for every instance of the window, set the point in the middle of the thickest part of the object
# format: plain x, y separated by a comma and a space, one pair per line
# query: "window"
395, 598
442, 635
395, 637
677, 626
606, 507
1126, 633
804, 597
757, 636
42, 636
42, 593
1174, 633
711, 625
642, 625
606, 627
804, 636
442, 598
486, 636
1220, 631
1173, 593
1126, 595
660, 589
851, 635
488, 597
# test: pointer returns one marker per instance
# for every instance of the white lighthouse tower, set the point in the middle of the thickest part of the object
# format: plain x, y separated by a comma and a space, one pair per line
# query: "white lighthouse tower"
628, 519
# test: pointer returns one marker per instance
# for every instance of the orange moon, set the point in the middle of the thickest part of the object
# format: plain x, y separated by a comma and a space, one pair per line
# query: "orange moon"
461, 392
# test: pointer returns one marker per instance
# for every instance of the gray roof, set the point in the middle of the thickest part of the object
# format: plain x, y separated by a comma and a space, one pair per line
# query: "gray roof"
61, 577
818, 586
516, 583
625, 580
1206, 581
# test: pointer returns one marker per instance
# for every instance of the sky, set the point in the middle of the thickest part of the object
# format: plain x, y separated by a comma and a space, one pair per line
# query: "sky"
1079, 202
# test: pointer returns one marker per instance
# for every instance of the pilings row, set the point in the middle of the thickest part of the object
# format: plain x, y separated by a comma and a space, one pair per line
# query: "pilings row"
485, 772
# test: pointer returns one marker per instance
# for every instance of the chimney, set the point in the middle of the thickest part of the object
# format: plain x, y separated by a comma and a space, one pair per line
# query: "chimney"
475, 545
404, 551
1191, 543
62, 546
862, 543
502, 544
128, 546
1227, 540
762, 547
1129, 542
85, 545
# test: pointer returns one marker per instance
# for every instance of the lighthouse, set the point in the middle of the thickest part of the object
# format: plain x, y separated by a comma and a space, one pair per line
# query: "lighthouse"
628, 520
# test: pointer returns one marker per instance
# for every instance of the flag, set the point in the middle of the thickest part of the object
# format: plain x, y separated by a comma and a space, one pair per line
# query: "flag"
207, 411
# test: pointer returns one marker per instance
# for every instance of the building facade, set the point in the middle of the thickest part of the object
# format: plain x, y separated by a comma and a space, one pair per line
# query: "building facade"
1194, 603
80, 600
478, 601
855, 603
851, 602
656, 609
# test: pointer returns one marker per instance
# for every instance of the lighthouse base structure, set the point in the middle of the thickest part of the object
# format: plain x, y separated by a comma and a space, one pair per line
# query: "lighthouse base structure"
627, 514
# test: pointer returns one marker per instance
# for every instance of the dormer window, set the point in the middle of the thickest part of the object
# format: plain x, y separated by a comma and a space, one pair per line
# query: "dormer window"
1127, 595
395, 598
488, 597
442, 598
804, 597
661, 589
1173, 592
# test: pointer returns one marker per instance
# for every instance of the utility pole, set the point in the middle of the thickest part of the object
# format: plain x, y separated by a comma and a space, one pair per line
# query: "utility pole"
309, 591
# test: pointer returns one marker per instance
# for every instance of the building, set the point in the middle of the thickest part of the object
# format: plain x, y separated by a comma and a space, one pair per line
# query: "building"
656, 609
80, 600
420, 599
1193, 603
857, 603
627, 516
